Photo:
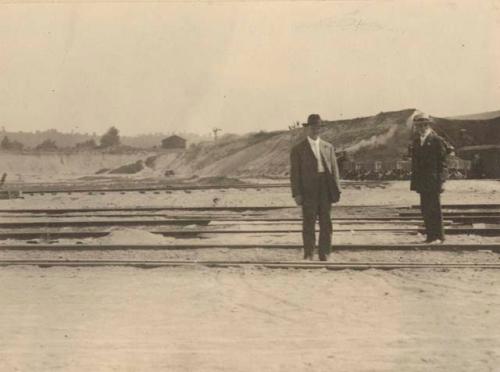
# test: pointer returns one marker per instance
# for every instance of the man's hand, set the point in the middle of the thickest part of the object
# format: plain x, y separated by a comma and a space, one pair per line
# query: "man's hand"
336, 198
298, 199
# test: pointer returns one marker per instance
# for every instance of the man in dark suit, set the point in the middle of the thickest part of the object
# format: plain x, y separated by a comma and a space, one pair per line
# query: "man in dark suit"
315, 184
429, 172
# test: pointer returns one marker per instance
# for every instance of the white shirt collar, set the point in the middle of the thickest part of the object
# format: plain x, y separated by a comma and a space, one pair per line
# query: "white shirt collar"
314, 141
425, 135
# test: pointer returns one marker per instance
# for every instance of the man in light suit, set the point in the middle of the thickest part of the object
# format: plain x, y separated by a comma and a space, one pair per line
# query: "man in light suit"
429, 171
314, 177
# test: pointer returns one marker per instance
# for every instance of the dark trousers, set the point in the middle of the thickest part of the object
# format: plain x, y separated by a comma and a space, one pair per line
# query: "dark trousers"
430, 205
317, 204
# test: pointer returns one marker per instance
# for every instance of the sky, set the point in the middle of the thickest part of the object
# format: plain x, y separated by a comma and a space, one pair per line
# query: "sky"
149, 67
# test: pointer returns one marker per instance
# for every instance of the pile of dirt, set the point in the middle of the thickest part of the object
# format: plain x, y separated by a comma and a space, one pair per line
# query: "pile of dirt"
217, 180
26, 167
382, 137
132, 168
265, 154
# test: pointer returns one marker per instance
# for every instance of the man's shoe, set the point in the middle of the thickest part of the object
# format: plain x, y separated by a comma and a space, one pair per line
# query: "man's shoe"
308, 257
324, 257
436, 241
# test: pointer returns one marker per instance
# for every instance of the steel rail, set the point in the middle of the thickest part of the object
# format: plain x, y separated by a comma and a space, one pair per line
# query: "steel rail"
350, 208
456, 214
203, 220
249, 264
197, 233
152, 188
88, 223
167, 221
145, 209
30, 189
215, 218
465, 206
187, 219
494, 248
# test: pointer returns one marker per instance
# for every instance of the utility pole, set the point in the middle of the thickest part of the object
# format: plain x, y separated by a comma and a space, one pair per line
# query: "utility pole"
215, 131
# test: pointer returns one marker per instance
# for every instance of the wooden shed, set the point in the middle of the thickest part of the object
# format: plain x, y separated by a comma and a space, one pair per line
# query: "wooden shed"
173, 142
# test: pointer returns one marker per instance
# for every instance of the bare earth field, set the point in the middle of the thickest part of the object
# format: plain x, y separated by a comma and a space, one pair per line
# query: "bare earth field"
377, 193
120, 319
253, 319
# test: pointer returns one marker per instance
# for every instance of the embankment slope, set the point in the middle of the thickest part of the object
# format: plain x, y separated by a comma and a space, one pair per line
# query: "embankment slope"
383, 137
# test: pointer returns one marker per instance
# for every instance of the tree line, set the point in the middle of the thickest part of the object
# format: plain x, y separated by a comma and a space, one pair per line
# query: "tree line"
53, 140
109, 139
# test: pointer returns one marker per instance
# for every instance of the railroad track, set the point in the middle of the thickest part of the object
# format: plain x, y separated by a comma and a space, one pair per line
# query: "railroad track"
36, 189
48, 221
206, 219
249, 264
457, 214
143, 209
102, 222
161, 219
465, 206
159, 189
495, 248
194, 233
399, 210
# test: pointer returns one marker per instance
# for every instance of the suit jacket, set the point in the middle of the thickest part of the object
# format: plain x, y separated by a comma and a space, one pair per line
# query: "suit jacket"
304, 166
428, 164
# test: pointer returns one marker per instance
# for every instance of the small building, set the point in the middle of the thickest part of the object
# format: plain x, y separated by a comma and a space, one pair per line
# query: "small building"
173, 142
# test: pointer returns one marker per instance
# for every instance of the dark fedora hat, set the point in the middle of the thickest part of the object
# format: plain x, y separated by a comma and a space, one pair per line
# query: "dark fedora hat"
313, 119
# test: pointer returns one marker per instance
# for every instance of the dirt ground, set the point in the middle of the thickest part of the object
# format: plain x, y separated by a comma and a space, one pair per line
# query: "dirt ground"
382, 193
251, 319
196, 319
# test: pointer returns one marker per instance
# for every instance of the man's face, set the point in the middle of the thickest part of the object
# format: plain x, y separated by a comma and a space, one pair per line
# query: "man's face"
421, 128
313, 130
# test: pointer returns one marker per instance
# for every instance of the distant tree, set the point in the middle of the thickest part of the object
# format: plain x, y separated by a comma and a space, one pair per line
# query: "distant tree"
89, 144
110, 138
47, 145
16, 146
7, 144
